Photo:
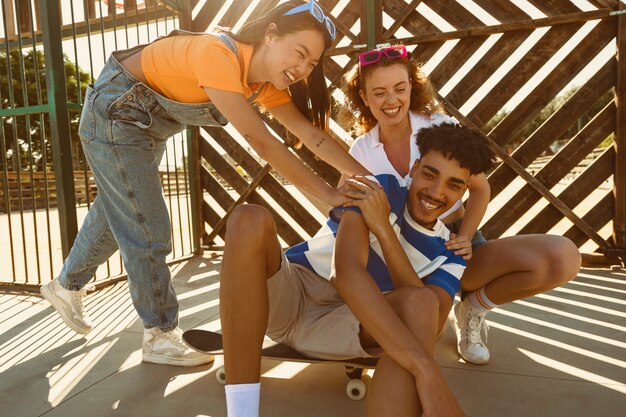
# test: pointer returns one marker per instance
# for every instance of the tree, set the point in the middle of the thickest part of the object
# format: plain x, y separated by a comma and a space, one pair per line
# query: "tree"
25, 139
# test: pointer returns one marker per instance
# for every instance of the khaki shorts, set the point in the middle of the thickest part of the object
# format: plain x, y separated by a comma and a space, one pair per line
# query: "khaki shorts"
308, 314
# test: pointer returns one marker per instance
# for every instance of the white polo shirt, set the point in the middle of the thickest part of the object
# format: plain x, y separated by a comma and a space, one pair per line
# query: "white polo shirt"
368, 150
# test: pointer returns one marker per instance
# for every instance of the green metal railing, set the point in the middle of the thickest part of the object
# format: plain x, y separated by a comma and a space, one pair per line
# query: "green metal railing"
49, 52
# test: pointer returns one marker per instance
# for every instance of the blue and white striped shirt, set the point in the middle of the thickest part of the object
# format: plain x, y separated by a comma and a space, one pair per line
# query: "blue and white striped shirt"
425, 248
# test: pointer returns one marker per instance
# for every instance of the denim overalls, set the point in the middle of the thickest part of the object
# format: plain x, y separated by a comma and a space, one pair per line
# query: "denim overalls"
123, 128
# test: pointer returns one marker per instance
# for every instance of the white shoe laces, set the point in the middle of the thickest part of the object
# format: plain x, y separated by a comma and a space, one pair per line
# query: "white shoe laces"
175, 337
475, 326
77, 298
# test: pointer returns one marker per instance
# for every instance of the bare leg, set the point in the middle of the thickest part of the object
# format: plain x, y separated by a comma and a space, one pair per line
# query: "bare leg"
445, 304
517, 267
393, 389
252, 254
506, 270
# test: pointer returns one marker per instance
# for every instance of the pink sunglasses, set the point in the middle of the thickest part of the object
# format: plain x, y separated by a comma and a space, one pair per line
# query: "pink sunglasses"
375, 55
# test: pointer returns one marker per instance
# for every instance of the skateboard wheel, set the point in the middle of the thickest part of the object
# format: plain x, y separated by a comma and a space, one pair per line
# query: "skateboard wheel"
220, 375
356, 389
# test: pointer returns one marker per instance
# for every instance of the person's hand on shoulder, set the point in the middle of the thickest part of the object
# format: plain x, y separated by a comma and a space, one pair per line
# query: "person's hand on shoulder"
461, 246
369, 196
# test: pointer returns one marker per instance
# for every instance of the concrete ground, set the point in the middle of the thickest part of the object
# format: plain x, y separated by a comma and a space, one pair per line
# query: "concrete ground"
558, 354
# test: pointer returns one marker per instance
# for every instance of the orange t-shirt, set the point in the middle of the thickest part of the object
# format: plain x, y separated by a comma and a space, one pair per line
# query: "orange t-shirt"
178, 67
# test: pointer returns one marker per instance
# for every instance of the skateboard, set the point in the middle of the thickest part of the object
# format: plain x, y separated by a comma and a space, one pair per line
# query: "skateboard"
205, 341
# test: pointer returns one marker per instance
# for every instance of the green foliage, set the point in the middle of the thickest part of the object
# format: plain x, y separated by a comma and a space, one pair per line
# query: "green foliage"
25, 139
607, 142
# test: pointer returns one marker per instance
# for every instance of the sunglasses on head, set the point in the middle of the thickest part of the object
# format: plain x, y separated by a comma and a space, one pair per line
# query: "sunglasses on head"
375, 55
316, 11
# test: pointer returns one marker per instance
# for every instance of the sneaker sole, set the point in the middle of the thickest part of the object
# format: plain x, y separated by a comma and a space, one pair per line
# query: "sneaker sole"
58, 306
160, 360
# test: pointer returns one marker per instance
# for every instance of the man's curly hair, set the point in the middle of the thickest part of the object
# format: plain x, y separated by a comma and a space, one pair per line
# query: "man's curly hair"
460, 143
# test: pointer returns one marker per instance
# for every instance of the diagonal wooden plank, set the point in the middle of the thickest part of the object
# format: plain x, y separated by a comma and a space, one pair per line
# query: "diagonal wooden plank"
345, 20
503, 11
597, 217
521, 72
551, 85
556, 125
554, 7
243, 197
511, 26
581, 145
449, 66
613, 4
263, 7
454, 13
399, 14
410, 19
486, 67
226, 171
589, 180
236, 9
506, 158
335, 72
323, 169
206, 15
424, 52
211, 218
213, 186
269, 183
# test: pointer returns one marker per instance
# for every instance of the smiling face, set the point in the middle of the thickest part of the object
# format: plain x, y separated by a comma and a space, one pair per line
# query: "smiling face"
387, 92
291, 58
437, 183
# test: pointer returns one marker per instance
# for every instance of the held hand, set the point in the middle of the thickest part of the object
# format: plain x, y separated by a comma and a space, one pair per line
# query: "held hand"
370, 197
337, 198
461, 246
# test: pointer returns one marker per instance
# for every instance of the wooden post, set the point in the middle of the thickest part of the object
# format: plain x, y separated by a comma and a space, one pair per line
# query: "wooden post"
371, 25
24, 16
9, 19
186, 22
111, 7
130, 5
619, 179
193, 158
90, 9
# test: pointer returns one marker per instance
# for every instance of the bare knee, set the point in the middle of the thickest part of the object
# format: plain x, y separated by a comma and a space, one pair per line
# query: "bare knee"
416, 306
250, 223
562, 260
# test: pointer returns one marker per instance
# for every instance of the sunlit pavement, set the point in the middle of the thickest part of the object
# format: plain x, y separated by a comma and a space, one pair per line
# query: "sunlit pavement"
558, 354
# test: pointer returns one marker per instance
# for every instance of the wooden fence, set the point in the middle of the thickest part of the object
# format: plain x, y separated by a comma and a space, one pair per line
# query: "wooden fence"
484, 60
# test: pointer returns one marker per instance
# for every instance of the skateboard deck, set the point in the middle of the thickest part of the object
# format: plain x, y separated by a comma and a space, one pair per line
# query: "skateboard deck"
211, 342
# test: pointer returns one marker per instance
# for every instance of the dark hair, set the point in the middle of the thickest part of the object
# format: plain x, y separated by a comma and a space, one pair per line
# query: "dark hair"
357, 115
310, 96
460, 143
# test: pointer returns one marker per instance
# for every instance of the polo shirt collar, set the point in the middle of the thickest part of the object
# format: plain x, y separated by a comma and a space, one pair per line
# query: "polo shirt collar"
374, 136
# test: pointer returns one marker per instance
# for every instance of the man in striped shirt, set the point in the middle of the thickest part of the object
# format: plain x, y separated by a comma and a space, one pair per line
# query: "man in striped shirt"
374, 281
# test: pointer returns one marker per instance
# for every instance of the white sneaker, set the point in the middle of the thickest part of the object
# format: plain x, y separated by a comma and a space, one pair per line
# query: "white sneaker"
168, 348
469, 324
69, 305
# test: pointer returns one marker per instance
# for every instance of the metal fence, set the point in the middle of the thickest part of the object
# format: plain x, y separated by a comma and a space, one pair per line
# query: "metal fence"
49, 52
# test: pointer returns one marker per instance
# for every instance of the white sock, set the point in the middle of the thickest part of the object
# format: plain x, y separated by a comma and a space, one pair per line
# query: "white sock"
242, 400
480, 302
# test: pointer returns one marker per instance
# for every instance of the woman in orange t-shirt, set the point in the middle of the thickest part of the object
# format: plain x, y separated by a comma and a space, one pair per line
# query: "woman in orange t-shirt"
146, 94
